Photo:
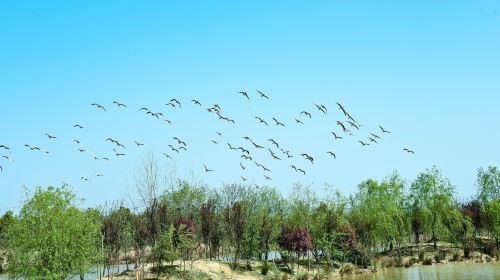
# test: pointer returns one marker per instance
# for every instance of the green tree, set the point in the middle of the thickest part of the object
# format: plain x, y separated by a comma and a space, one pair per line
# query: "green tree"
164, 249
488, 184
53, 238
432, 194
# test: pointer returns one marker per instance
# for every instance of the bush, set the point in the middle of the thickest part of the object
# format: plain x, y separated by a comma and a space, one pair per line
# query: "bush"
304, 276
421, 256
412, 261
427, 261
456, 257
438, 258
264, 269
347, 269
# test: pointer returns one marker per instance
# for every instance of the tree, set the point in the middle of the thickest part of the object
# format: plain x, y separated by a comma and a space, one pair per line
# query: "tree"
432, 194
488, 184
460, 230
164, 249
53, 238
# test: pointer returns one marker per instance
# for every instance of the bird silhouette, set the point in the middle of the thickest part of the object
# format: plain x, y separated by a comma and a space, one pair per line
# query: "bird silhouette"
173, 149
180, 142
119, 104
321, 108
308, 157
336, 137
383, 130
246, 157
81, 150
242, 166
342, 126
144, 109
1, 168
243, 178
305, 113
99, 174
363, 143
83, 178
373, 140
166, 155
294, 167
50, 136
196, 102
78, 126
268, 178
375, 136
353, 125
206, 169
261, 121
257, 146
215, 142
231, 147
176, 101
245, 94
262, 94
218, 133
342, 109
301, 171
298, 121
274, 143
98, 106
8, 158
409, 151
243, 150
118, 154
278, 123
332, 154
138, 144
77, 141
4, 147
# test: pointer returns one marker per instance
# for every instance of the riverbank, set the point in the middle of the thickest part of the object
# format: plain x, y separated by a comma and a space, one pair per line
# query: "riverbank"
202, 269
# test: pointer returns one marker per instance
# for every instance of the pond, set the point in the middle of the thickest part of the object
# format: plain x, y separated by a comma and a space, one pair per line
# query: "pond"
438, 272
93, 275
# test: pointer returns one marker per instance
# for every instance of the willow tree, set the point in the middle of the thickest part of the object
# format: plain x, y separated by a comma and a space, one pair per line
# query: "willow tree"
488, 184
432, 194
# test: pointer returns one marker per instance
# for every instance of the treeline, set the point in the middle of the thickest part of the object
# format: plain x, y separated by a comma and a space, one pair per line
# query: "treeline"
240, 223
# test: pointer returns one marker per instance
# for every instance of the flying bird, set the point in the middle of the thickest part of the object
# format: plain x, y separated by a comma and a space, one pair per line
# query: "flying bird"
373, 140
294, 167
321, 108
274, 143
246, 157
257, 146
245, 94
98, 106
166, 155
180, 142
50, 136
332, 154
78, 126
298, 121
301, 171
7, 158
375, 135
268, 178
196, 102
308, 157
206, 169
342, 126
305, 113
261, 121
119, 104
138, 144
336, 137
173, 149
243, 178
83, 179
409, 151
262, 94
176, 101
353, 124
231, 147
278, 123
342, 109
363, 143
215, 142
242, 166
383, 130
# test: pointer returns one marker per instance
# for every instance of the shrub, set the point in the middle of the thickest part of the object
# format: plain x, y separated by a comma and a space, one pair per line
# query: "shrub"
456, 257
412, 261
427, 261
264, 269
438, 258
421, 256
347, 269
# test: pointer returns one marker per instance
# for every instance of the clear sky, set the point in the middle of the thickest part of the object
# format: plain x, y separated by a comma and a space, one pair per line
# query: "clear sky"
426, 70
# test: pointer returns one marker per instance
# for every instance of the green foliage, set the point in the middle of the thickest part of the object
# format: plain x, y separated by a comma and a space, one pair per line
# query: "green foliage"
164, 249
53, 238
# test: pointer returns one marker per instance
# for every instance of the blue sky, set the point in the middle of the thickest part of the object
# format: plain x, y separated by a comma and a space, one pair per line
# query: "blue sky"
426, 70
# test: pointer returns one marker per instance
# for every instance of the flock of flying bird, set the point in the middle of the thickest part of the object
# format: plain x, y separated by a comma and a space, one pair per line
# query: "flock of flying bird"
246, 155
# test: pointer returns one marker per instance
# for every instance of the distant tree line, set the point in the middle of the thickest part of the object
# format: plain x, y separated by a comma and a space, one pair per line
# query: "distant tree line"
52, 238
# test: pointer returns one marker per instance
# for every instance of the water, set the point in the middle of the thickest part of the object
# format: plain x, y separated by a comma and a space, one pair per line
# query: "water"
489, 271
93, 275
438, 272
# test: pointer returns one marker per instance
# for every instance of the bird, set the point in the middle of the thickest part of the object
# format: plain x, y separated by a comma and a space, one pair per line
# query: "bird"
168, 121
231, 147
1, 168
206, 169
218, 133
4, 147
171, 104
278, 123
268, 178
298, 121
336, 137
321, 108
119, 104
83, 178
78, 125
173, 149
342, 108
274, 143
353, 124
246, 157
350, 118
196, 102
294, 167
375, 135
166, 155
7, 158
305, 113
301, 171
99, 174
332, 154
138, 144
342, 126
215, 142
383, 130
243, 150
262, 121
81, 150
262, 94
275, 156
257, 146
247, 138
50, 136
265, 168
363, 143
245, 94
180, 142
105, 158
176, 101
409, 151
118, 154
98, 106
308, 157
243, 178
242, 166
373, 140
